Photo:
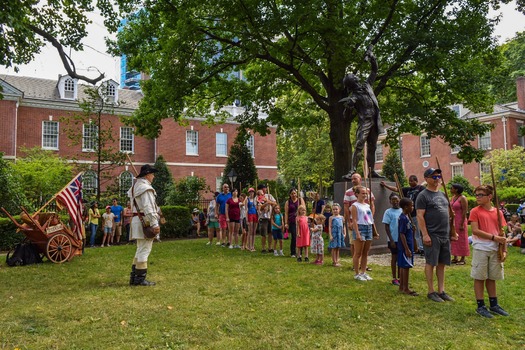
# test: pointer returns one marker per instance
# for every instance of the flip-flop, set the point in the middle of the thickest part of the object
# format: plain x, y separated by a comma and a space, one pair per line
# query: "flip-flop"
454, 261
413, 293
460, 263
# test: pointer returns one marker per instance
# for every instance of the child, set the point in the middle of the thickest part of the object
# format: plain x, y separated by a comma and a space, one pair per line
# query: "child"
244, 225
487, 266
390, 218
317, 246
337, 234
277, 230
362, 221
195, 221
303, 233
327, 213
108, 217
253, 219
405, 246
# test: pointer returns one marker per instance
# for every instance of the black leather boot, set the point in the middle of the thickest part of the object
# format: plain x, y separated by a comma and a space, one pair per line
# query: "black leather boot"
140, 278
132, 275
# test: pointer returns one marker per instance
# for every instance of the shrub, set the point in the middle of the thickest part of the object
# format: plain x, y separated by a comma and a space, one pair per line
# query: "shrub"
177, 221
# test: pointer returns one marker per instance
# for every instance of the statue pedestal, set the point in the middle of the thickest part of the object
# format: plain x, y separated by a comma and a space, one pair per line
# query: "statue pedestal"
381, 202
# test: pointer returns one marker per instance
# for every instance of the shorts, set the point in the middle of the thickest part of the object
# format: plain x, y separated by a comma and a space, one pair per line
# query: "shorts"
485, 265
108, 230
235, 221
253, 218
277, 233
366, 232
222, 221
263, 226
438, 252
213, 224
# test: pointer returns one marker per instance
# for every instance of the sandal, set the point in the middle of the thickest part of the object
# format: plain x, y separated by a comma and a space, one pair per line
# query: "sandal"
454, 261
460, 262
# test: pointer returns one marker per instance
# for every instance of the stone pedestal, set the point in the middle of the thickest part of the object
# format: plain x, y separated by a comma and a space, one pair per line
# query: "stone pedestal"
382, 203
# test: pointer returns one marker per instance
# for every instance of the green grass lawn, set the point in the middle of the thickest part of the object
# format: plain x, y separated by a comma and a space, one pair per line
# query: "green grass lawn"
217, 298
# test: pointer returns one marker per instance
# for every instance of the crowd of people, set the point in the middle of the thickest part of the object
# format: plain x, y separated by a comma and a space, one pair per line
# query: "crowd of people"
114, 221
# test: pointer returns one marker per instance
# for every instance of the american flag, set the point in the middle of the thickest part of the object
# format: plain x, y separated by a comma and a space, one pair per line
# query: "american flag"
71, 198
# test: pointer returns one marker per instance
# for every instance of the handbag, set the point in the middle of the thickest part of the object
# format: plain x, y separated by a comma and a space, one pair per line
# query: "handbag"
148, 231
285, 234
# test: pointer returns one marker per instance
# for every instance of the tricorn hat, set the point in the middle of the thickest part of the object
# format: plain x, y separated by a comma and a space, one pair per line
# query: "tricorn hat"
146, 169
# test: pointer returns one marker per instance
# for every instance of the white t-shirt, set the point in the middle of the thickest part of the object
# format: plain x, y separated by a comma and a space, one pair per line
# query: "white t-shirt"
364, 214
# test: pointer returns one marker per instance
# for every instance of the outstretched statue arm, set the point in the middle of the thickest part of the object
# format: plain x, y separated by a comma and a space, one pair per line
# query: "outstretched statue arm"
369, 57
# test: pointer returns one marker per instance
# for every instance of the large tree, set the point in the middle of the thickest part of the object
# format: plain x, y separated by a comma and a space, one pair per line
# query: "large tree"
431, 54
512, 66
26, 26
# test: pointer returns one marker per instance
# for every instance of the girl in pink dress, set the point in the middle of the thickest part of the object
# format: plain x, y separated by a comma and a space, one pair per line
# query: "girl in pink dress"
460, 248
303, 233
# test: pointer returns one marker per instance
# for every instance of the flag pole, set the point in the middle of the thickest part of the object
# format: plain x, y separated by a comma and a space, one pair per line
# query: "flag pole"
55, 195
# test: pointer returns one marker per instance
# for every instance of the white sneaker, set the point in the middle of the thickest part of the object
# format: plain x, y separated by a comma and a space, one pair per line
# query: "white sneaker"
275, 253
102, 246
360, 277
238, 246
218, 243
367, 277
209, 243
281, 253
231, 247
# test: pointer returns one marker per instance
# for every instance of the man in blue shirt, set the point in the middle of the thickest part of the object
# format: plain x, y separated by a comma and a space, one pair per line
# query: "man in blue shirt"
220, 212
117, 210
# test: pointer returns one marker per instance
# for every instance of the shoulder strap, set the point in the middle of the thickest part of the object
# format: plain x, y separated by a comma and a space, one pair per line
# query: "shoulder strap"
136, 205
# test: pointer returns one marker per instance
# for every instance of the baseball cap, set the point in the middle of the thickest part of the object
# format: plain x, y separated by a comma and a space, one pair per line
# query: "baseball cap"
251, 189
431, 171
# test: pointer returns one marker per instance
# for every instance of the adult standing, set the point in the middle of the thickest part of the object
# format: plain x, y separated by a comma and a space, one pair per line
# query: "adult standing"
212, 222
290, 214
412, 191
432, 214
460, 248
349, 199
220, 212
127, 216
117, 210
233, 218
269, 202
94, 215
143, 197
318, 205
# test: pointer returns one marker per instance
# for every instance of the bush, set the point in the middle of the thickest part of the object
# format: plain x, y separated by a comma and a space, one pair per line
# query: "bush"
177, 221
512, 208
511, 194
8, 235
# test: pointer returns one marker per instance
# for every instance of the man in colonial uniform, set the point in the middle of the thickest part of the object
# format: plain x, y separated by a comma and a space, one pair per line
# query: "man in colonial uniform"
142, 197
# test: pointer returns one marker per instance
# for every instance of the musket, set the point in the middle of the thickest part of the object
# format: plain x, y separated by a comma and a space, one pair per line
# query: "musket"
500, 227
453, 234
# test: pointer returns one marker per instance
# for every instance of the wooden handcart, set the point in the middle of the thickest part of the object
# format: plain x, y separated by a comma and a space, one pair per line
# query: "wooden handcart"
45, 230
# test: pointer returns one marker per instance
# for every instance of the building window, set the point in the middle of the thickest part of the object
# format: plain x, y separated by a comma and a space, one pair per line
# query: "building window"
484, 168
521, 133
457, 169
69, 88
50, 135
424, 146
126, 139
221, 144
250, 143
485, 141
89, 183
89, 138
379, 152
218, 184
125, 182
192, 143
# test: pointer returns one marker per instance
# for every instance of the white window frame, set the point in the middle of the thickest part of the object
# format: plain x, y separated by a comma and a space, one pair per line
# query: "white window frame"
424, 146
192, 143
89, 183
221, 144
379, 153
125, 182
250, 143
69, 89
485, 141
457, 169
88, 140
127, 138
484, 168
218, 184
48, 135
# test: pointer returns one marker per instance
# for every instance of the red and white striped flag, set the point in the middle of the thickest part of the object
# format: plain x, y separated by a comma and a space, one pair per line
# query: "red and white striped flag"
71, 198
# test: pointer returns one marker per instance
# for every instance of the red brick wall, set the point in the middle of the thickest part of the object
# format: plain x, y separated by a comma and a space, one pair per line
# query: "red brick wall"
7, 127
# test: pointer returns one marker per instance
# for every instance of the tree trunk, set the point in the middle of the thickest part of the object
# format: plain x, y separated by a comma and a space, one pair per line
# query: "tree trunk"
340, 139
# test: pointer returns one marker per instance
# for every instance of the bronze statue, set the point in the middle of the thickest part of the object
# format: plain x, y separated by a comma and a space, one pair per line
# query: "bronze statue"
361, 97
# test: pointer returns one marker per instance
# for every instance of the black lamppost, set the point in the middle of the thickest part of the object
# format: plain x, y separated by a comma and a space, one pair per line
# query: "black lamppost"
232, 175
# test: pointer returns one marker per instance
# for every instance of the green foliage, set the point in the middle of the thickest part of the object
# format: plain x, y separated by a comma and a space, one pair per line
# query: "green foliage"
512, 67
508, 167
12, 194
512, 194
163, 180
294, 55
42, 174
241, 160
468, 189
393, 165
178, 219
8, 235
512, 208
186, 190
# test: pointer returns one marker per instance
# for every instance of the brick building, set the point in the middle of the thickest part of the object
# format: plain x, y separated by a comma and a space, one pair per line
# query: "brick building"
420, 152
32, 112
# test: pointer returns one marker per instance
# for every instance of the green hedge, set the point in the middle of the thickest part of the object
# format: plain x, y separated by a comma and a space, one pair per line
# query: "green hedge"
177, 225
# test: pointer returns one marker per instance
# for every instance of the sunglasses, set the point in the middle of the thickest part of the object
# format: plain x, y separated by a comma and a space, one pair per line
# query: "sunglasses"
477, 195
435, 177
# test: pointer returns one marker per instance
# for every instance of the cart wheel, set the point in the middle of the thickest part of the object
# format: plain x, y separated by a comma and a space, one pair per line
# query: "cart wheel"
59, 248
